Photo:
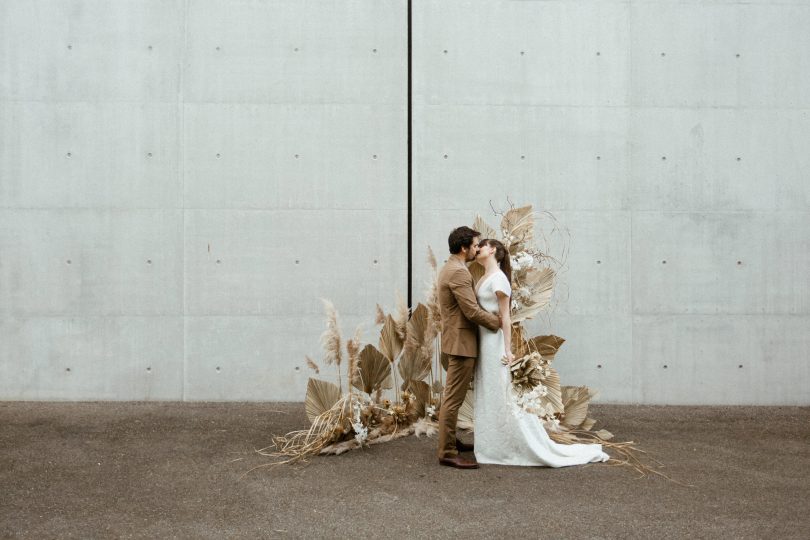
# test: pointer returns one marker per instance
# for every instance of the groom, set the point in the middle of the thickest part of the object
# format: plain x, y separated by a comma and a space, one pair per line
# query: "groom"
460, 316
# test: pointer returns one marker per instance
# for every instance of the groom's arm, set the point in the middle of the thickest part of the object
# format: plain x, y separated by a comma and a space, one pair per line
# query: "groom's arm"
461, 285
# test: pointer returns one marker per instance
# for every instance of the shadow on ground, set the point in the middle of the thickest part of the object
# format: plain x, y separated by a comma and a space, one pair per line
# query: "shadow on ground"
162, 470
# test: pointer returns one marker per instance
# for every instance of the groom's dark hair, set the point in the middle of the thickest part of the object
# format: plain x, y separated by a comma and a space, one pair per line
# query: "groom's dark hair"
461, 237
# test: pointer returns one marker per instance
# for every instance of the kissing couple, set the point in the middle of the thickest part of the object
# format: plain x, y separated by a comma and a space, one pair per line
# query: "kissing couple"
476, 339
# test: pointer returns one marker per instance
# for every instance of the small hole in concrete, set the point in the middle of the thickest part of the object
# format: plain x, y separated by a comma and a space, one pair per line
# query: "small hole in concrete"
149, 47
67, 369
375, 261
599, 366
739, 158
739, 263
149, 154
69, 154
374, 156
665, 366
598, 158
598, 53
739, 366
219, 156
68, 261
373, 50
663, 54
297, 261
297, 368
522, 156
296, 49
663, 158
296, 156
219, 261
148, 369
522, 53
148, 261
598, 262
70, 46
737, 55
219, 48
445, 156
218, 370
445, 51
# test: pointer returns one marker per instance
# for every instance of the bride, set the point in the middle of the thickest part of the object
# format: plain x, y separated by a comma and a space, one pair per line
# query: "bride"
505, 434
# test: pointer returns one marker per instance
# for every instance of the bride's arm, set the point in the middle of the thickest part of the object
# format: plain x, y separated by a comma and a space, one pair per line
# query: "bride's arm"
504, 308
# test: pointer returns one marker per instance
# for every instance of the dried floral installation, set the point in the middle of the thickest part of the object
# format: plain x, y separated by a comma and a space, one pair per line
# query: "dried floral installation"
395, 388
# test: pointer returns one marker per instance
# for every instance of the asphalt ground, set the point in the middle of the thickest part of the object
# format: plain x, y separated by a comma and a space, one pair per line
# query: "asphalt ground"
183, 470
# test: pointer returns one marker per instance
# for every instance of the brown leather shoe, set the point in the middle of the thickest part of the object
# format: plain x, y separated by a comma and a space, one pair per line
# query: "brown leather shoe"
458, 462
464, 447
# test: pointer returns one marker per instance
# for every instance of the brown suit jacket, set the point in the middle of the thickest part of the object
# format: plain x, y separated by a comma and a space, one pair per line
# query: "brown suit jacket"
460, 311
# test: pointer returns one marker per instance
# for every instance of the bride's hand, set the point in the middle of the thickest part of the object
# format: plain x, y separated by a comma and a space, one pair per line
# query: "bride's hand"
508, 359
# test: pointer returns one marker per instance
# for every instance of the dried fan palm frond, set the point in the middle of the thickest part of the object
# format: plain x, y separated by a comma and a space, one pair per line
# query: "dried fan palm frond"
390, 342
401, 318
587, 424
542, 289
547, 346
373, 371
312, 365
483, 227
321, 397
518, 228
476, 271
380, 317
553, 398
416, 358
330, 339
466, 413
575, 403
445, 360
421, 392
520, 347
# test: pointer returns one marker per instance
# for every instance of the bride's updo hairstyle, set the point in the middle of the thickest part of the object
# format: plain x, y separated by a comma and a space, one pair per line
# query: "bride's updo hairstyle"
501, 256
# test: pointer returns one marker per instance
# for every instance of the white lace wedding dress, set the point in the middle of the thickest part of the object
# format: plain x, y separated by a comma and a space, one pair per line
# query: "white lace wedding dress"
505, 434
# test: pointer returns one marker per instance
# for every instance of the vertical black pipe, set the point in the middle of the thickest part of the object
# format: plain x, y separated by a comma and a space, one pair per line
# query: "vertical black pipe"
410, 164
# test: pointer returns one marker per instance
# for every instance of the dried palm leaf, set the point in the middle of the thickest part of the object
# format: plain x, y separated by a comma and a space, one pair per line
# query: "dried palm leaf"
330, 339
466, 413
321, 397
575, 403
588, 424
518, 227
421, 392
476, 271
483, 227
519, 346
553, 398
373, 371
547, 346
416, 357
444, 358
542, 289
390, 342
312, 365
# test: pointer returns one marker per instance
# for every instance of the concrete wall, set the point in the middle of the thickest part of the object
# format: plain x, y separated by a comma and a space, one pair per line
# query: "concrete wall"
671, 139
180, 181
